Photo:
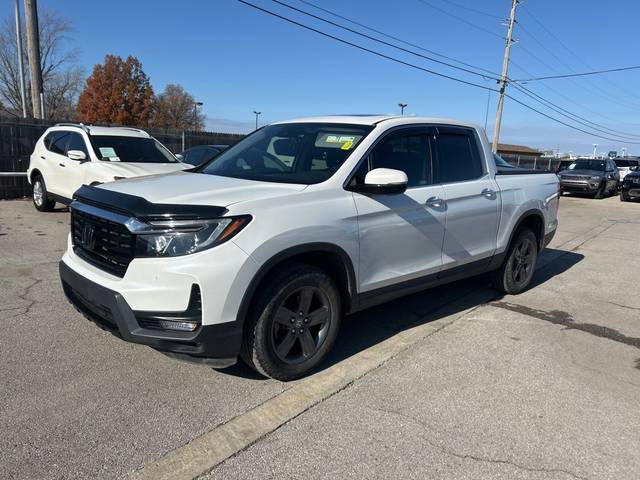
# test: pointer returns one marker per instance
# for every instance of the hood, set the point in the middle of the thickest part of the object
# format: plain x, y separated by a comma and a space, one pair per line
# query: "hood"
200, 189
108, 170
591, 173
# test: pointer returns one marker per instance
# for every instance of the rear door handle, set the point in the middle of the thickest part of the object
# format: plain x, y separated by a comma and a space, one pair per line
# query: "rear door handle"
43, 157
62, 164
489, 193
434, 202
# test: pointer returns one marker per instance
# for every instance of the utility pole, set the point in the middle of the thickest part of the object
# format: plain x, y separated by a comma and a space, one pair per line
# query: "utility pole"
33, 52
402, 107
257, 114
595, 150
503, 77
20, 65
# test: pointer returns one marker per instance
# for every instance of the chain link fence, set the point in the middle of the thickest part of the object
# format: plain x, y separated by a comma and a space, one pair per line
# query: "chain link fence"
19, 136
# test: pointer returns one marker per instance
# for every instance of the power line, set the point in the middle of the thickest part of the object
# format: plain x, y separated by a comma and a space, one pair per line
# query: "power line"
594, 89
536, 97
369, 37
469, 9
365, 49
583, 74
471, 24
573, 53
417, 67
576, 118
392, 37
581, 105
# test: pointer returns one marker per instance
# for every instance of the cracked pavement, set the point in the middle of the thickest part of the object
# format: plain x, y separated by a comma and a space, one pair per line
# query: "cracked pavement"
544, 385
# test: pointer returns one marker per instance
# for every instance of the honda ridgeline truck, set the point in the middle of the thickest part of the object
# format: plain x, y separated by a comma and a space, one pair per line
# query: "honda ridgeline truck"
261, 252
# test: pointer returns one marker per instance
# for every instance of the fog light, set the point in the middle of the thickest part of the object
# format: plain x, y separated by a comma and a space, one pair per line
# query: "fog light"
181, 326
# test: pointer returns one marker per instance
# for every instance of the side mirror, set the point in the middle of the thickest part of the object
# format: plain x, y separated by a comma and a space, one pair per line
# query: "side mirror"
77, 155
384, 181
180, 157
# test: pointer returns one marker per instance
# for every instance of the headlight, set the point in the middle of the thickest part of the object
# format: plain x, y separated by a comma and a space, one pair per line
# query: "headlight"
183, 237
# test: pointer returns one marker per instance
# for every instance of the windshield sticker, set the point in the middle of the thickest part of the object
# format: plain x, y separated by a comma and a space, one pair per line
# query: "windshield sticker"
114, 159
108, 152
343, 142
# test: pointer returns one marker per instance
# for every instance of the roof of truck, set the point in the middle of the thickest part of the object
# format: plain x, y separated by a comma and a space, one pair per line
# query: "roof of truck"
374, 119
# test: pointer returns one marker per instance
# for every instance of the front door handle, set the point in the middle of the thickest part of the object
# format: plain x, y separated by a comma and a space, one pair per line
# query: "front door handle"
62, 164
434, 202
489, 193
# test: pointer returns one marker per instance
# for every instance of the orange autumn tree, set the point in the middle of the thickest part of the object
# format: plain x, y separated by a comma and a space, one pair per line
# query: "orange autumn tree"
117, 91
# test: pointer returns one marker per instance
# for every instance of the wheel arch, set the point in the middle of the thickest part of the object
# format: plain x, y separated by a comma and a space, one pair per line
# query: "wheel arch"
329, 257
534, 220
33, 175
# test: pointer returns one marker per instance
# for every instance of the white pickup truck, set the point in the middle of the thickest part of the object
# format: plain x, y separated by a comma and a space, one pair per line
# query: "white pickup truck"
259, 253
69, 155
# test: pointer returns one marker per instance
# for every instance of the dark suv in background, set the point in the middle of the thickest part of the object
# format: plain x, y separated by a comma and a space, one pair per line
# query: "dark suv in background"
631, 185
597, 177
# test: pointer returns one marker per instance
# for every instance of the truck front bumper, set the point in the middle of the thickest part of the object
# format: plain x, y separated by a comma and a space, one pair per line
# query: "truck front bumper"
216, 345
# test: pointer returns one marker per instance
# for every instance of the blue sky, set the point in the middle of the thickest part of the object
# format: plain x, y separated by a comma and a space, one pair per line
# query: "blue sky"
236, 59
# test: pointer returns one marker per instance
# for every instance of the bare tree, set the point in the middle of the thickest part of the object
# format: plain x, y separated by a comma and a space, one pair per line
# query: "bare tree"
61, 75
176, 108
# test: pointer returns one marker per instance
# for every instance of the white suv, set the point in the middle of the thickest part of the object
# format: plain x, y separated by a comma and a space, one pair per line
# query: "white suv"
260, 253
70, 155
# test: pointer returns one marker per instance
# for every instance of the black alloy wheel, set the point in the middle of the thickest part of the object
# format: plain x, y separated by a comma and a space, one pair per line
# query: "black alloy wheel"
301, 324
523, 262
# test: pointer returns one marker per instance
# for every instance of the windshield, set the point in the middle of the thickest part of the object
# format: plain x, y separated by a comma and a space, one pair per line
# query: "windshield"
303, 153
588, 165
116, 148
626, 163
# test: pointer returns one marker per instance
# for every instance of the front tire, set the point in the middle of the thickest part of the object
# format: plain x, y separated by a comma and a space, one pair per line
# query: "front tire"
293, 324
624, 197
516, 272
601, 191
40, 196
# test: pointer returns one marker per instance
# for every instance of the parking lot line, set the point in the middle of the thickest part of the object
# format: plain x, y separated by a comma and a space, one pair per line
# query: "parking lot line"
205, 452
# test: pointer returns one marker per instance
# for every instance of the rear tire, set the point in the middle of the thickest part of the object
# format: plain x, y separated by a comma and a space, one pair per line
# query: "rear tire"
293, 323
40, 196
516, 272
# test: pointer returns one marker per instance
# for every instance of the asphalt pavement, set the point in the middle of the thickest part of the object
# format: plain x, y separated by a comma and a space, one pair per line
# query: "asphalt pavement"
456, 382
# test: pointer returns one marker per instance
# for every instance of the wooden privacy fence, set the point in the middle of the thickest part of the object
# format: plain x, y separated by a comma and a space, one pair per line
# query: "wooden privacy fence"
19, 136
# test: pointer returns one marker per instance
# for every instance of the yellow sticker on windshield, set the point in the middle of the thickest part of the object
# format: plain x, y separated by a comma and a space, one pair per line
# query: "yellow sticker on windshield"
347, 145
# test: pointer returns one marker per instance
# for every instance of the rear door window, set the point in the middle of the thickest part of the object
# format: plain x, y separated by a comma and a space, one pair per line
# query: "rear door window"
457, 155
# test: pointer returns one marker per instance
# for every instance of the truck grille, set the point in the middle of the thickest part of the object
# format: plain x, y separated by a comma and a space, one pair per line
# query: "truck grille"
105, 244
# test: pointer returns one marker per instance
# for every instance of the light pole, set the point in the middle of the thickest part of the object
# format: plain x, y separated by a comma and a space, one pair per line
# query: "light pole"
402, 107
595, 150
257, 114
195, 114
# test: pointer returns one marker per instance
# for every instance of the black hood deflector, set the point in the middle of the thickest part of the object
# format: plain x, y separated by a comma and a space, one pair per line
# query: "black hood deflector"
141, 208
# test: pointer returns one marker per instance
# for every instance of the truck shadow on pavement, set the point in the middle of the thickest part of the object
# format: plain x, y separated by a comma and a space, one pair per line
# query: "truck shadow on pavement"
374, 325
